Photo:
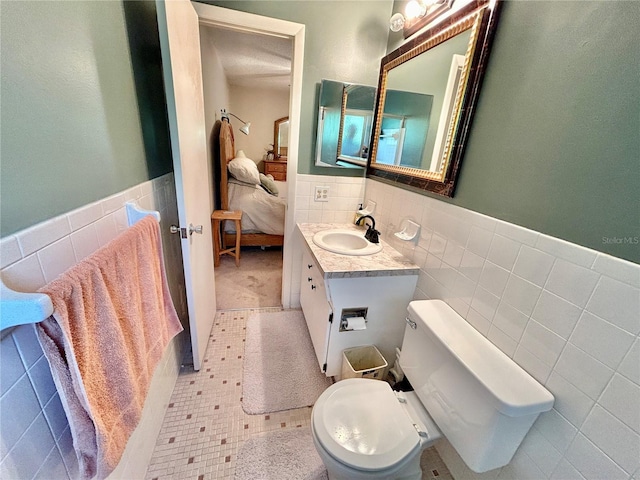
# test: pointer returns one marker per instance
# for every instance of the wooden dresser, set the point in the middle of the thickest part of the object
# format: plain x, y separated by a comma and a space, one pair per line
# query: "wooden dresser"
277, 168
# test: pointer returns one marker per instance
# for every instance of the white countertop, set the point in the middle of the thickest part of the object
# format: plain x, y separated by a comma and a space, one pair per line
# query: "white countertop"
387, 262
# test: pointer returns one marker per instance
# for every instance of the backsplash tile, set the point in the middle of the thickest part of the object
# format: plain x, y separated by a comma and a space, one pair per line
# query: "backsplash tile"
568, 315
345, 194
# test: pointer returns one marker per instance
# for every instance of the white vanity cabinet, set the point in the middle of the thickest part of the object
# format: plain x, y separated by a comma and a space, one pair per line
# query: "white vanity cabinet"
315, 305
328, 290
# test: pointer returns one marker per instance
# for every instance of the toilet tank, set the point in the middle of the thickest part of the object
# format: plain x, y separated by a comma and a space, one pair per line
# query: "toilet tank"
483, 402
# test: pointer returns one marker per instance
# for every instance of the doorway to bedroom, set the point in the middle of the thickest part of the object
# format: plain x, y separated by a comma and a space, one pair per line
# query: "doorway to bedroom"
249, 75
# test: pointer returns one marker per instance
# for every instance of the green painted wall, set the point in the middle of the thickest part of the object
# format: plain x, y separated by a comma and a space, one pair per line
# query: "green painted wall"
82, 117
555, 143
344, 41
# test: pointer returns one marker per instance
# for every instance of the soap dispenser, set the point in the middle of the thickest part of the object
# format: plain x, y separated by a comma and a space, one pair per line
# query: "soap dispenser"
361, 212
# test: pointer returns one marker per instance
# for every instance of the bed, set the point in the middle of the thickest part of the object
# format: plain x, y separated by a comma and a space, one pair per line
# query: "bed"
262, 213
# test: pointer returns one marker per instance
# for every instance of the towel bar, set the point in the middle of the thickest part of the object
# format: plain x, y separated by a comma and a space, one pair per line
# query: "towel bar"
135, 213
19, 308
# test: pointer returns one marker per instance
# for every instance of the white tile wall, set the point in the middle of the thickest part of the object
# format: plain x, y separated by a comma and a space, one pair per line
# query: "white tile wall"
568, 315
345, 194
35, 437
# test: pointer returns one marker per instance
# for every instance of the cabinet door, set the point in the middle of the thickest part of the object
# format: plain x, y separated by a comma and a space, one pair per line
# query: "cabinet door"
316, 308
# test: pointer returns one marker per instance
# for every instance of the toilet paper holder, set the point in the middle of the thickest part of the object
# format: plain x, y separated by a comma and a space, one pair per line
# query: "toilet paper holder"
352, 313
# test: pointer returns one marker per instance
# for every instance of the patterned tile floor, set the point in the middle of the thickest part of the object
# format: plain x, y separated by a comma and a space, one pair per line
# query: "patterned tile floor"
205, 425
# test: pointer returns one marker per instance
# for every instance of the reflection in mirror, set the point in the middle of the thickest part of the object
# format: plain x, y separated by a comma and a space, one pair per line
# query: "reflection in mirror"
428, 91
415, 94
281, 138
405, 125
356, 123
331, 107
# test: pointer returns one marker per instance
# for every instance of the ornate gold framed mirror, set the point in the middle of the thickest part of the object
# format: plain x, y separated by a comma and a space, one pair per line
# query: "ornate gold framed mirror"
427, 93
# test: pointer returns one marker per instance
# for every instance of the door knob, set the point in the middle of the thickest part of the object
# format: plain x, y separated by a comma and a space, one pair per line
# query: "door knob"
195, 229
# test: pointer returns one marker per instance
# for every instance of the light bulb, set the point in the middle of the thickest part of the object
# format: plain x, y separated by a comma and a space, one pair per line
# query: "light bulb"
396, 23
415, 9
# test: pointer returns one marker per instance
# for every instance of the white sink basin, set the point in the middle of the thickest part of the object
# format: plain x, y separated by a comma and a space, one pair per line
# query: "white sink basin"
345, 242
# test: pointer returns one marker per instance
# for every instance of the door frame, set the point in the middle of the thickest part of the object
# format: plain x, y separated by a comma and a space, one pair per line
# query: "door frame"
210, 15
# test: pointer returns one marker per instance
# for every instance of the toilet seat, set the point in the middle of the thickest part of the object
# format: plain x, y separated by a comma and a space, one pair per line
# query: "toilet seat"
378, 435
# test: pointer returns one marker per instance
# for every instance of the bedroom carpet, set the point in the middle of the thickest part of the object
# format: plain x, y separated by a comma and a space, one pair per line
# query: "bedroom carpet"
256, 283
280, 370
284, 455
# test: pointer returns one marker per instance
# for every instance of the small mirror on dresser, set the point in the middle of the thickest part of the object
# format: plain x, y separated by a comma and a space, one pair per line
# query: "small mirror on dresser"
428, 90
280, 138
276, 162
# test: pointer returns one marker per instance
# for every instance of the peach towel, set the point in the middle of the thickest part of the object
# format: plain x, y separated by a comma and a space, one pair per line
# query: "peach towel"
113, 319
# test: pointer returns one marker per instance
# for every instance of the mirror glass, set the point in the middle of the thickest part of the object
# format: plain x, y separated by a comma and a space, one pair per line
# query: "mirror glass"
356, 123
280, 138
428, 90
332, 131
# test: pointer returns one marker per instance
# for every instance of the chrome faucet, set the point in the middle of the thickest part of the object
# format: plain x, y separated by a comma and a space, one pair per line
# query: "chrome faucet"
372, 234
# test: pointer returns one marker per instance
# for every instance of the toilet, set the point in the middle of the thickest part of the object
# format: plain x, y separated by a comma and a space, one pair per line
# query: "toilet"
465, 389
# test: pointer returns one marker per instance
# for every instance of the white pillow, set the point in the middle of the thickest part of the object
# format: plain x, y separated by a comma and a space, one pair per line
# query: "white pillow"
245, 170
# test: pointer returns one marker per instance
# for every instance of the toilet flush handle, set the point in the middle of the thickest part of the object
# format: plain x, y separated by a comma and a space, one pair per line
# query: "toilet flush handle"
411, 323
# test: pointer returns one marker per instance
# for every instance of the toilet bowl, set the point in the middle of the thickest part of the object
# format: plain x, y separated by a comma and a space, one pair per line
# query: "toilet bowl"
381, 439
466, 390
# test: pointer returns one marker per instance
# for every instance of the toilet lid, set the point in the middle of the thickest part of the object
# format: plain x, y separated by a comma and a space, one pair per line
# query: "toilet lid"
360, 423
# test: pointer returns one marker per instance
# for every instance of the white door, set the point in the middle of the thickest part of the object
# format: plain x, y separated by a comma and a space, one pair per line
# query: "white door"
180, 44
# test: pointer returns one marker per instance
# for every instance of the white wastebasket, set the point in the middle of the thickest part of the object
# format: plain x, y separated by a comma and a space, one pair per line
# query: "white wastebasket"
363, 362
